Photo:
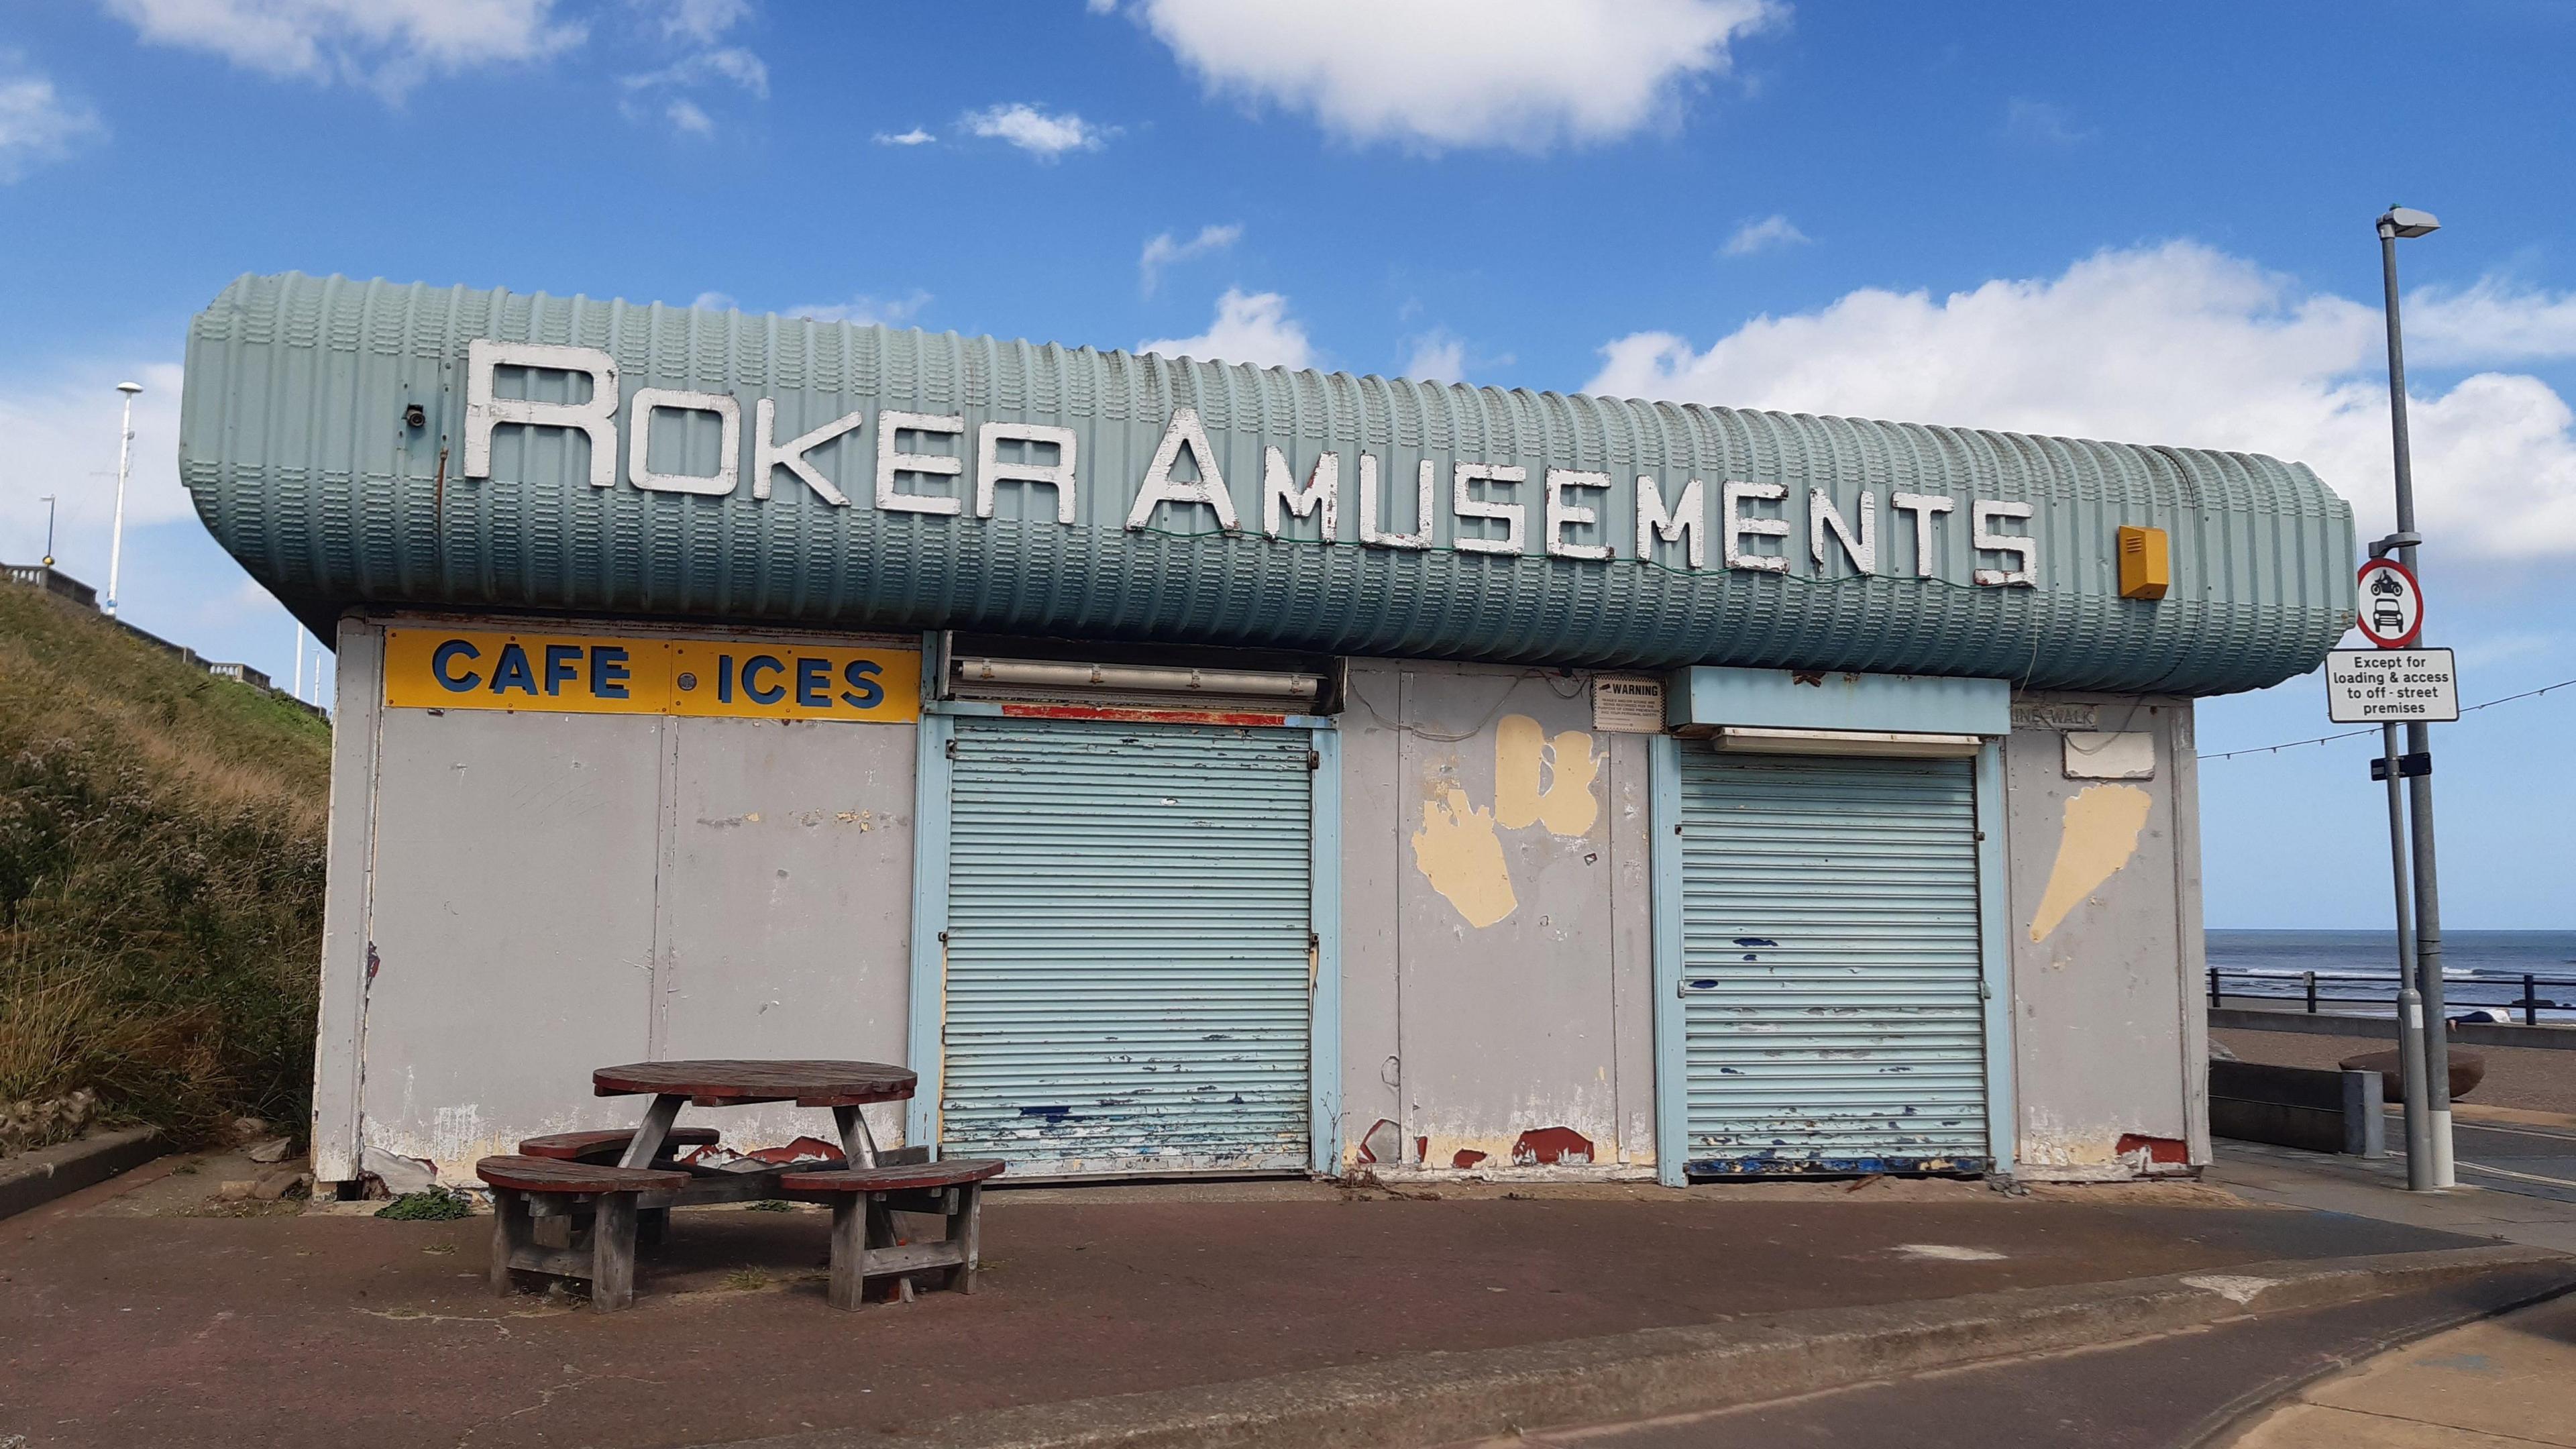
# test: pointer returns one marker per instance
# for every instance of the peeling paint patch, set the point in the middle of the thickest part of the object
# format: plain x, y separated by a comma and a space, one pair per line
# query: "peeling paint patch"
1457, 851
1540, 780
2154, 1151
1382, 1143
2099, 835
1465, 1157
1551, 1147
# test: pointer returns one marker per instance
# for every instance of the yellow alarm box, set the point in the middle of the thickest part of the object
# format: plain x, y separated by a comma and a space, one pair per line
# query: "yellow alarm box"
2146, 563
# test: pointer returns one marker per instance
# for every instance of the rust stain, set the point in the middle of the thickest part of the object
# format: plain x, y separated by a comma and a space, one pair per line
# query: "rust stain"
1550, 1147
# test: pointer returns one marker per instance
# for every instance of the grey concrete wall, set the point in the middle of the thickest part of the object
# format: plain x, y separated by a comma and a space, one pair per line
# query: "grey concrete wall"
1496, 936
544, 894
2105, 887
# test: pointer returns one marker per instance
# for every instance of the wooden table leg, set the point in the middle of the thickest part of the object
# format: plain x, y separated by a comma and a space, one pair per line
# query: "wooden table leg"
647, 1142
612, 1252
966, 1229
510, 1229
849, 1250
857, 1147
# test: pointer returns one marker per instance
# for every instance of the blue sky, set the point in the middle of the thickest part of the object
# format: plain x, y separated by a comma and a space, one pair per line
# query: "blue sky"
2145, 223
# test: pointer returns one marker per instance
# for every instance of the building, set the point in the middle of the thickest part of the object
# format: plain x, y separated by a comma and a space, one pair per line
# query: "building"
1203, 768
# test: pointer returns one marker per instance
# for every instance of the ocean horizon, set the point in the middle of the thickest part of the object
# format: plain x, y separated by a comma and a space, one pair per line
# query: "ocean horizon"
2480, 969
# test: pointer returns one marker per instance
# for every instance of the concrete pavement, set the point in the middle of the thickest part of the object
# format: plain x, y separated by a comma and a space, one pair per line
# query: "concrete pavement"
2503, 1382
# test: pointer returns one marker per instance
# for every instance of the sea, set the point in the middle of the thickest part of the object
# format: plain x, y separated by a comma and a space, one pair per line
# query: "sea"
2480, 969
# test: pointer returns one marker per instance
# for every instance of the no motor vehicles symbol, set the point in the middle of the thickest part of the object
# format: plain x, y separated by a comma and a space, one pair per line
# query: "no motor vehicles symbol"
2392, 604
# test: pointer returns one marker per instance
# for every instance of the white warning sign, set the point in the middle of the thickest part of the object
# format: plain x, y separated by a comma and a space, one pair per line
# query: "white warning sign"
2385, 686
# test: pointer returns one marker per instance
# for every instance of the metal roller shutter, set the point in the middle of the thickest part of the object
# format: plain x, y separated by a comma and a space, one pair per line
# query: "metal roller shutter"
1831, 991
1129, 957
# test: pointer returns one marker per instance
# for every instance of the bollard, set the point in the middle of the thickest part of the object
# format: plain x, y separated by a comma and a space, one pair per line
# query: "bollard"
2312, 993
2530, 1002
2365, 1119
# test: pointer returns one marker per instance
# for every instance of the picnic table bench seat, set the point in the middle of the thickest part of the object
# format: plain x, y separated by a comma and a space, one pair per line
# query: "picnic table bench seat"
609, 1145
608, 1260
864, 1200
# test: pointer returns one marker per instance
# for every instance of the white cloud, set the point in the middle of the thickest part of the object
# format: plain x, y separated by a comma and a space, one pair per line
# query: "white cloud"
1769, 234
2177, 344
2493, 322
1441, 74
1254, 328
61, 426
914, 137
38, 124
867, 311
703, 21
1438, 356
688, 119
1163, 251
714, 302
2040, 123
390, 45
1034, 131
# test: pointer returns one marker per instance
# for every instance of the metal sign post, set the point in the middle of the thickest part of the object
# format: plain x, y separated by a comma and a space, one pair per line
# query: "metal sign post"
2396, 222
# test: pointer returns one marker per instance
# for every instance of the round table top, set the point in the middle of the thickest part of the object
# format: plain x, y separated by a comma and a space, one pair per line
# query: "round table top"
738, 1083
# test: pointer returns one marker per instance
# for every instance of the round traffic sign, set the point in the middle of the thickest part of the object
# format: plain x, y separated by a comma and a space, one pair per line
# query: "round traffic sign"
2392, 604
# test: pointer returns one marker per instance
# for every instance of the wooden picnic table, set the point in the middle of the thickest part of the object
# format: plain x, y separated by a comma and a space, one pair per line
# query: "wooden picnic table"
539, 1196
844, 1087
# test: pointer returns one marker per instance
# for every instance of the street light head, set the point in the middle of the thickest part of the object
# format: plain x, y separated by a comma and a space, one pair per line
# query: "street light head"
2407, 221
129, 388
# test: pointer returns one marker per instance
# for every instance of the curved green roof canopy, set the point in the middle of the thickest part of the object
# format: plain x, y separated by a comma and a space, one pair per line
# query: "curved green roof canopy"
370, 444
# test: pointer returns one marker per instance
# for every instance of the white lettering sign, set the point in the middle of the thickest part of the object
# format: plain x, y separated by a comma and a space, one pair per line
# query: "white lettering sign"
1751, 519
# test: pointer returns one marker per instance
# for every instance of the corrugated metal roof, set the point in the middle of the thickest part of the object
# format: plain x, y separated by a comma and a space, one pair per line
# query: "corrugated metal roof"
294, 445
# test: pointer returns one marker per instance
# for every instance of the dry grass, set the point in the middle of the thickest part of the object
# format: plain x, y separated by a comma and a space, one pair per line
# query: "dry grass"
161, 847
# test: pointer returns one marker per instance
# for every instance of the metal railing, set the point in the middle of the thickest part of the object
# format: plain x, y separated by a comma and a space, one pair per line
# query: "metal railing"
2384, 991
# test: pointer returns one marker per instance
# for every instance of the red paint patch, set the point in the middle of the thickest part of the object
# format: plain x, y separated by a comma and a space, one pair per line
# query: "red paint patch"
1422, 1149
1368, 1153
2160, 1151
1551, 1146
1146, 716
803, 1149
1466, 1157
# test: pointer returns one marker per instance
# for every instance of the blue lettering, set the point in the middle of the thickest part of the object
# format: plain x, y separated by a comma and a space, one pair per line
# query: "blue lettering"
607, 672
757, 695
724, 679
512, 671
864, 691
813, 682
561, 662
449, 652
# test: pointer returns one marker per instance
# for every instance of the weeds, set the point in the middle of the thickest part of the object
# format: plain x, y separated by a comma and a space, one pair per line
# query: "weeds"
746, 1280
430, 1205
161, 867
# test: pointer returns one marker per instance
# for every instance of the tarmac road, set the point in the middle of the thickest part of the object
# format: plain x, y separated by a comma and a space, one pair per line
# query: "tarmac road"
2170, 1392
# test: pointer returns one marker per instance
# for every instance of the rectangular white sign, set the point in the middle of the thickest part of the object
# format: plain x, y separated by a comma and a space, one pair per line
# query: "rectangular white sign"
1623, 704
2378, 686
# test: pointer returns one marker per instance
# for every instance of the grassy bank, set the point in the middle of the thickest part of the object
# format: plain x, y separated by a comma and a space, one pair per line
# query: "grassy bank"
161, 849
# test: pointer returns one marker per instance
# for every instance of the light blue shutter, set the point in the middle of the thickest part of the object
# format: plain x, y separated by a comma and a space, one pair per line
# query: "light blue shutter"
1128, 978
1830, 968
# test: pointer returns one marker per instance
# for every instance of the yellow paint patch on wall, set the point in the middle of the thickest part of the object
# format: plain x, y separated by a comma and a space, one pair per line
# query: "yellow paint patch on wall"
2100, 835
1457, 851
1544, 781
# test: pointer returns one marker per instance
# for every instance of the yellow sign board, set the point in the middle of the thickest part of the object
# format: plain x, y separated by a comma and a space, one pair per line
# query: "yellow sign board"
600, 674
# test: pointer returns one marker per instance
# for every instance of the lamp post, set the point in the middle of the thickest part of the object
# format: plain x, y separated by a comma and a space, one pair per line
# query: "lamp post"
48, 501
124, 466
2397, 222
